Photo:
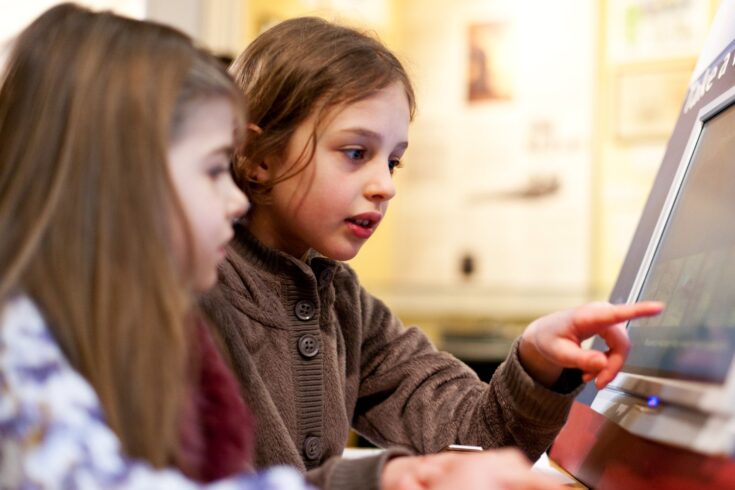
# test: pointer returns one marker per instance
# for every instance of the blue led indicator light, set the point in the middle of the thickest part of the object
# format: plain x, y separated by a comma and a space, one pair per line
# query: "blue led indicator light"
653, 401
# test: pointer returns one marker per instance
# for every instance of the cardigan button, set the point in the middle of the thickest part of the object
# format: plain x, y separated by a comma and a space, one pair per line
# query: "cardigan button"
312, 448
304, 310
308, 346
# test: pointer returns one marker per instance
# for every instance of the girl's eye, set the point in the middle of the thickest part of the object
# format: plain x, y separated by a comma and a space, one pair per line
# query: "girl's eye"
394, 164
354, 153
217, 171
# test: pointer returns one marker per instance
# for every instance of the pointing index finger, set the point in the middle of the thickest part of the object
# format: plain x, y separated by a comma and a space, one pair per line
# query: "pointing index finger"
593, 318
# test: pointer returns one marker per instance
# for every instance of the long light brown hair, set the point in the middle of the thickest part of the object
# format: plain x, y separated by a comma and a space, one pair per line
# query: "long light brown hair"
89, 104
295, 68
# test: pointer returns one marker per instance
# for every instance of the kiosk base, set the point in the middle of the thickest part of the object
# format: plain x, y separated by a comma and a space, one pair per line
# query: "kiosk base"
602, 455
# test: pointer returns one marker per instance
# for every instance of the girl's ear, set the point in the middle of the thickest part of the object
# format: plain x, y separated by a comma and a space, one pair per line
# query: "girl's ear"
257, 173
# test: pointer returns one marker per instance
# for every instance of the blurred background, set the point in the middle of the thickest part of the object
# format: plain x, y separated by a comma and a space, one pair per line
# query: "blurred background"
540, 128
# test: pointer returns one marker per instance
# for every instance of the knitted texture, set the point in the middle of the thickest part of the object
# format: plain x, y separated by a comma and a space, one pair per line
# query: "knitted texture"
371, 373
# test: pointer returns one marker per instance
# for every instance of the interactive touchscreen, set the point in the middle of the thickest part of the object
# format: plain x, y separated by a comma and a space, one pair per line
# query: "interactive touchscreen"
693, 270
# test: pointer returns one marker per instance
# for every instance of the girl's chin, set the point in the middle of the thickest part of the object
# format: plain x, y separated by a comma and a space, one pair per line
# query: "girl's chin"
205, 282
342, 254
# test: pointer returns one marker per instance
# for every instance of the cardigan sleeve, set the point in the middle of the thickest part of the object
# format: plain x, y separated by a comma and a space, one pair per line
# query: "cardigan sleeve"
364, 473
52, 431
413, 396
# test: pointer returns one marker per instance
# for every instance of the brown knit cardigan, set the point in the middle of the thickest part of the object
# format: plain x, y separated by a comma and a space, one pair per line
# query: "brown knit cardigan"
316, 354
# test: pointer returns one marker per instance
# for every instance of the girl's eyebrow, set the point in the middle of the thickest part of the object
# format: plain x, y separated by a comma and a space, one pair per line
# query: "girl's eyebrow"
367, 133
225, 149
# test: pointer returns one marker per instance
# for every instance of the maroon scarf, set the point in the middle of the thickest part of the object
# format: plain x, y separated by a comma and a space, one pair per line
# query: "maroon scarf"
217, 430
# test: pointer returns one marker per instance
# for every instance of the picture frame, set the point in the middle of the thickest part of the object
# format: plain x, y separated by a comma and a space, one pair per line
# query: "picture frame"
640, 30
489, 62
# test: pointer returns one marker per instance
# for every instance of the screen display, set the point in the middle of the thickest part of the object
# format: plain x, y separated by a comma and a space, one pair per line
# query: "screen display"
693, 270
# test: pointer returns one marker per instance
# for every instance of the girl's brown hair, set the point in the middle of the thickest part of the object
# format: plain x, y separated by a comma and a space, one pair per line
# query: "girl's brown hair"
297, 67
89, 105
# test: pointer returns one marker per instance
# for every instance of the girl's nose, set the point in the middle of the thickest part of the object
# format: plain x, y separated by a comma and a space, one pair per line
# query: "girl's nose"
381, 186
236, 201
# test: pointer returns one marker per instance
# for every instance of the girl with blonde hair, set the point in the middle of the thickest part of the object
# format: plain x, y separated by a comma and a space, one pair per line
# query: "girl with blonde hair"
116, 203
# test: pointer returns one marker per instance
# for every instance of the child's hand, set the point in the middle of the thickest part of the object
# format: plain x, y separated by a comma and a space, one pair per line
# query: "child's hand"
496, 469
552, 342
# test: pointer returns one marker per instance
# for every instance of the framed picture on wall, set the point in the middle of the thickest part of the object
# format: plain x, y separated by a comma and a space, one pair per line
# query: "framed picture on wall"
640, 30
490, 62
648, 101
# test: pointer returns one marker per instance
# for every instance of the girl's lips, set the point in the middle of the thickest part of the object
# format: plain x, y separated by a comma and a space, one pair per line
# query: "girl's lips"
360, 231
363, 225
222, 250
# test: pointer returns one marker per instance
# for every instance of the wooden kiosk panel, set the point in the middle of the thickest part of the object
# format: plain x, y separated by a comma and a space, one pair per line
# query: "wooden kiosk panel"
602, 455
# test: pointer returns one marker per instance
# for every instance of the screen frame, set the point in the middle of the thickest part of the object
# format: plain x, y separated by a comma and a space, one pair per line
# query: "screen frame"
695, 415
703, 396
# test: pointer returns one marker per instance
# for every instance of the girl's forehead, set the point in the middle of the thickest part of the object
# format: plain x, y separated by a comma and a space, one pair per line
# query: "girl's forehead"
194, 114
387, 107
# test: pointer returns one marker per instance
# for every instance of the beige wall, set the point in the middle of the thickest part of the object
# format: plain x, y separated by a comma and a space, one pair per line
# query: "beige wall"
625, 163
375, 15
472, 163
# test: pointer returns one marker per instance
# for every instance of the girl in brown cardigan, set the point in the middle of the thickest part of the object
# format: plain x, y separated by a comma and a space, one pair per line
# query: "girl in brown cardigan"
315, 353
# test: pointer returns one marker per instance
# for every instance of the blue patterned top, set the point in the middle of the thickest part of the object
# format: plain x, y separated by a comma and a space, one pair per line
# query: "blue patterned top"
52, 430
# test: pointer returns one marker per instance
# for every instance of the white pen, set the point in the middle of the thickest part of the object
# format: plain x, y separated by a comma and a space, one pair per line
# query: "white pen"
463, 448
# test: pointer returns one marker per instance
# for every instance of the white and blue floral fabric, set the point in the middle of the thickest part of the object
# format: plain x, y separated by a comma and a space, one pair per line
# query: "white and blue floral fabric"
52, 430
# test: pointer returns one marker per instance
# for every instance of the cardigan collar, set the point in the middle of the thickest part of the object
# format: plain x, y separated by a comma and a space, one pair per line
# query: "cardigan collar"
247, 245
